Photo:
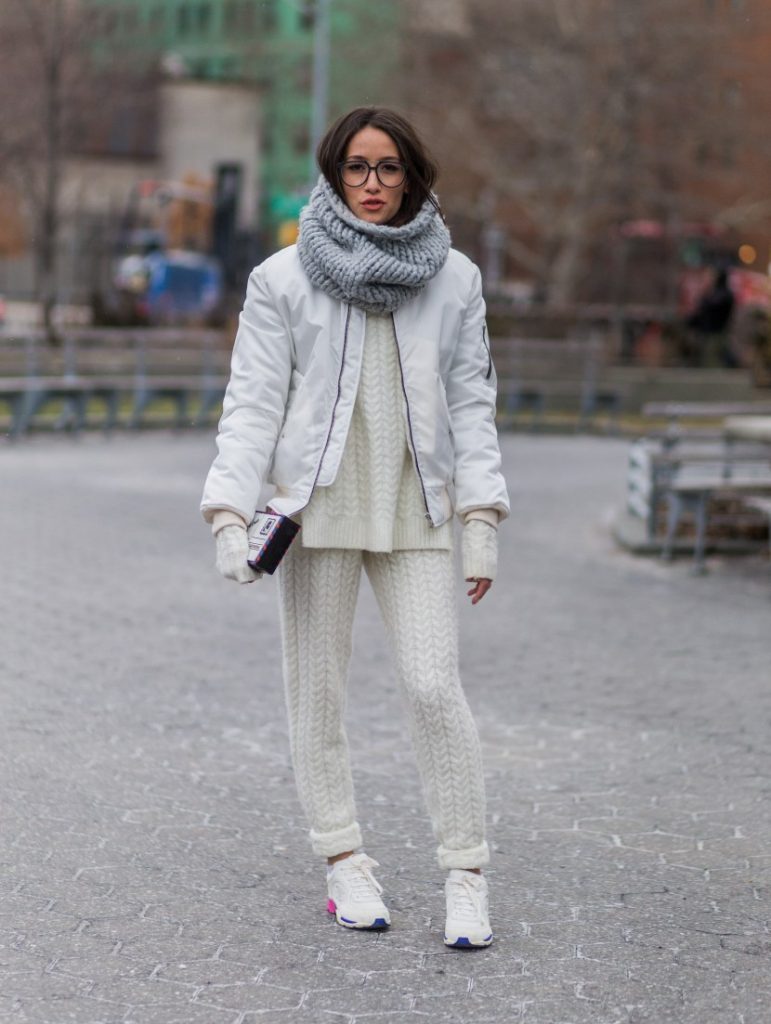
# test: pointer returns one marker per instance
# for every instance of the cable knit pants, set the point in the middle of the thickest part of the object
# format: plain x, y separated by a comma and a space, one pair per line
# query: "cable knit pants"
415, 591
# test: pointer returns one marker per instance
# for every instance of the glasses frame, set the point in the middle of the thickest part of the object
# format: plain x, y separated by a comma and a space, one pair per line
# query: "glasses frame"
372, 167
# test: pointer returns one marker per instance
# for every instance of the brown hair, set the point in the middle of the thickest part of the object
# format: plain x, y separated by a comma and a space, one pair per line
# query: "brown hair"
422, 171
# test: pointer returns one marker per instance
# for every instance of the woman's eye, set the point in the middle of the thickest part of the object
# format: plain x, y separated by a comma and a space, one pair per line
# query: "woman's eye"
356, 167
390, 168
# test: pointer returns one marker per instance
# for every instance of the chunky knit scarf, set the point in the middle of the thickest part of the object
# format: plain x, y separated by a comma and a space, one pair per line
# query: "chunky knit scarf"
372, 266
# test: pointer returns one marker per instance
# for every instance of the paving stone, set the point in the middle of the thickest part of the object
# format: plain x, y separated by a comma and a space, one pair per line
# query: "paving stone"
18, 984
247, 996
89, 967
154, 860
319, 977
78, 1010
143, 992
386, 997
175, 1013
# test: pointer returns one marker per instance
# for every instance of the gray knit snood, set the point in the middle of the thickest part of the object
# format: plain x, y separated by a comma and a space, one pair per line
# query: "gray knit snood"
372, 266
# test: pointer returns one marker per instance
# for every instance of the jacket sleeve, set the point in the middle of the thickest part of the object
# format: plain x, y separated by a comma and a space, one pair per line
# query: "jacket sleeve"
253, 407
471, 399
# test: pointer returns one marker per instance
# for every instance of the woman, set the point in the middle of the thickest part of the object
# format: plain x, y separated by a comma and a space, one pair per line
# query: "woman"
362, 387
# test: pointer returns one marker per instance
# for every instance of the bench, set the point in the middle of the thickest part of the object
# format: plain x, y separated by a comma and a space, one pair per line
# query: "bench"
695, 494
565, 373
653, 465
687, 476
110, 366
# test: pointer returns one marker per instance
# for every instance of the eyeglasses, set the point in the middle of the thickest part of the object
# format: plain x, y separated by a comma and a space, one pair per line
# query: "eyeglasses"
390, 173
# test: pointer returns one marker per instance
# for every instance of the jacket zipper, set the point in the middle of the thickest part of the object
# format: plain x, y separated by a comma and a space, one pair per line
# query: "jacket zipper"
489, 352
409, 424
334, 409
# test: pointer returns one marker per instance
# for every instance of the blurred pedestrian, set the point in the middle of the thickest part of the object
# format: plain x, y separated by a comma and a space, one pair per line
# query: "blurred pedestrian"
710, 322
363, 388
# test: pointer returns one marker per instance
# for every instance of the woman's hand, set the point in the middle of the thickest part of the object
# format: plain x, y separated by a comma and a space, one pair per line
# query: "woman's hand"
479, 556
479, 589
232, 552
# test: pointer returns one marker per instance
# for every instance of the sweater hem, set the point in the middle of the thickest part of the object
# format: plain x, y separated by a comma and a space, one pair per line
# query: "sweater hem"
363, 535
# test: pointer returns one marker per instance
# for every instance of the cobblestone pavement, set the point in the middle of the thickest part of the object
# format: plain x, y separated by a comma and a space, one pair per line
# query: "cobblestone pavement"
155, 865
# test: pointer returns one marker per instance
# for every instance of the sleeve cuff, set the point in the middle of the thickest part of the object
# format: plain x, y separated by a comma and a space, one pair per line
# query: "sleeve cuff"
223, 517
491, 516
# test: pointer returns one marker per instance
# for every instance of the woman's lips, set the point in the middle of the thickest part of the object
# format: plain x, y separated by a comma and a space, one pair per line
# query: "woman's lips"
373, 204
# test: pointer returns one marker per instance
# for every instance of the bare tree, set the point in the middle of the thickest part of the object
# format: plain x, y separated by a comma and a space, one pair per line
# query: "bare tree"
559, 118
34, 63
57, 94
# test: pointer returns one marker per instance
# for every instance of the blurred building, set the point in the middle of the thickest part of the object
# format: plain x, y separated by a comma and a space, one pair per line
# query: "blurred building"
158, 143
269, 43
190, 91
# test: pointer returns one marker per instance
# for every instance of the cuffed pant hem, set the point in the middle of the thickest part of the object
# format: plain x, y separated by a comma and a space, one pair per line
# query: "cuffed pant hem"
471, 857
329, 844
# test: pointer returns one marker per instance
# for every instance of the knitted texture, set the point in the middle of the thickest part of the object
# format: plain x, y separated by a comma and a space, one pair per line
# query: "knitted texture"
232, 551
373, 266
318, 590
479, 549
375, 502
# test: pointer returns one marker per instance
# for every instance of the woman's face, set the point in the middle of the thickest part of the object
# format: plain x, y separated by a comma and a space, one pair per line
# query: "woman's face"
372, 201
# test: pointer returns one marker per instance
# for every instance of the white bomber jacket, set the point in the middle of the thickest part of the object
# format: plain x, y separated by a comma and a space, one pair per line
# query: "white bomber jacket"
294, 376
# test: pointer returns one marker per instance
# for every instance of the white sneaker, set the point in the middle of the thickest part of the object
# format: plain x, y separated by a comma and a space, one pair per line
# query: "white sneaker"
354, 893
468, 921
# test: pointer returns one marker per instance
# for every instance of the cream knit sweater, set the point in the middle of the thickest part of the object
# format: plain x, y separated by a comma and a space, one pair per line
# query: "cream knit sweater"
375, 502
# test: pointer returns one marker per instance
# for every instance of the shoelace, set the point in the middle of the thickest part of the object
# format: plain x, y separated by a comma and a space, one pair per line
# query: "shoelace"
360, 877
466, 899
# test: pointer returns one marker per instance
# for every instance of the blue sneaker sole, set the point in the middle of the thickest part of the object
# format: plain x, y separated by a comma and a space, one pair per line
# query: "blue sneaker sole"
378, 923
462, 942
347, 922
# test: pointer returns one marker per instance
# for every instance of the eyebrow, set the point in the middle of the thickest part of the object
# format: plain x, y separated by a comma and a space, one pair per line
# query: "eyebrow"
357, 156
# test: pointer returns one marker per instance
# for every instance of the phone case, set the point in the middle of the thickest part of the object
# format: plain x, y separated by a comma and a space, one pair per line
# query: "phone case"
270, 535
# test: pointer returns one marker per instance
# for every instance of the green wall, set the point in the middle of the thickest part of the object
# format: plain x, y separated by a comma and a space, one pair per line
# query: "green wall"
269, 42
